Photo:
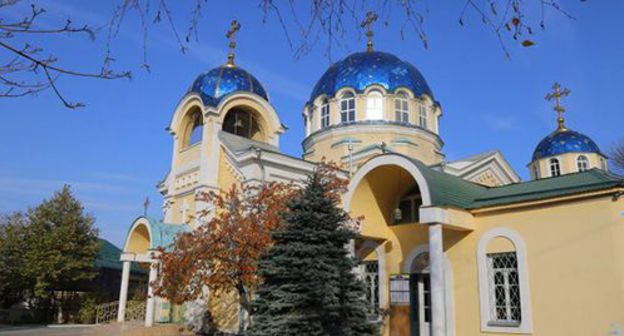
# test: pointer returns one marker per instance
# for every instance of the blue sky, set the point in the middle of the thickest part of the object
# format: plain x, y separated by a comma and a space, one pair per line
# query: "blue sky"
115, 150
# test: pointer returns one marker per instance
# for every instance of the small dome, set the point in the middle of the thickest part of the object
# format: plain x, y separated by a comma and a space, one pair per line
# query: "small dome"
224, 80
565, 141
360, 70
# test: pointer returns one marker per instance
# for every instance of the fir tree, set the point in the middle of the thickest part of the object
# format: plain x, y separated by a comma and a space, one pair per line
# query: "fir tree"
309, 286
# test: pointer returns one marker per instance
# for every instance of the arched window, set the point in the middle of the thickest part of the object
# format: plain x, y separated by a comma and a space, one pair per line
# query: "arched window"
503, 282
196, 129
324, 113
241, 122
374, 106
555, 168
409, 205
582, 163
401, 108
347, 108
422, 116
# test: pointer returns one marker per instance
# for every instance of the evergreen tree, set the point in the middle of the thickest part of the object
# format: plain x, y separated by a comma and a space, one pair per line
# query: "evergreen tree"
13, 282
62, 246
309, 286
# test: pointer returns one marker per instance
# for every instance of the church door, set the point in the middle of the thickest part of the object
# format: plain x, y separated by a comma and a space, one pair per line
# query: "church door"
420, 304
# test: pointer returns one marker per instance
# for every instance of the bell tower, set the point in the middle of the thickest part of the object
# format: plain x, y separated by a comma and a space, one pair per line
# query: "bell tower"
225, 104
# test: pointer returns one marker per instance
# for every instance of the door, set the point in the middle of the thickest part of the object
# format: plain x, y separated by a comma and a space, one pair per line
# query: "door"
420, 304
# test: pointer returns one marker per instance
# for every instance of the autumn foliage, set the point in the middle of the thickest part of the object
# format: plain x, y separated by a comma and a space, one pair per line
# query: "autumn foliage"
222, 253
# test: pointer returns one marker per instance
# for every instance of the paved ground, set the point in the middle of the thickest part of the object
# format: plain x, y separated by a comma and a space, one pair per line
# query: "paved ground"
102, 330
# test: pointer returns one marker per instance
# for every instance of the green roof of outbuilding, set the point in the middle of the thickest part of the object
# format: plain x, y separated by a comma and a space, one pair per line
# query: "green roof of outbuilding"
453, 191
565, 185
108, 257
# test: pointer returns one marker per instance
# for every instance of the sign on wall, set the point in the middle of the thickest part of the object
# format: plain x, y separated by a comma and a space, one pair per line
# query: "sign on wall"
399, 289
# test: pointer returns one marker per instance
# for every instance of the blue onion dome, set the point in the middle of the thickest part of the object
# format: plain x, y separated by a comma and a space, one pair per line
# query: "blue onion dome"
362, 69
565, 141
222, 81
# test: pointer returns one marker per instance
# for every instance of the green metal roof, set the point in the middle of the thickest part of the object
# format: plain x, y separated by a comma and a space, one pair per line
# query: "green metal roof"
450, 190
108, 257
163, 234
569, 184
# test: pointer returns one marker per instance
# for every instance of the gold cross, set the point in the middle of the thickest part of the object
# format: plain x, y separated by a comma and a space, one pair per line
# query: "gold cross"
557, 94
231, 34
368, 22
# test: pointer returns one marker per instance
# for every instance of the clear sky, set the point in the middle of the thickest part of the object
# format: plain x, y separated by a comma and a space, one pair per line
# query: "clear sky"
115, 150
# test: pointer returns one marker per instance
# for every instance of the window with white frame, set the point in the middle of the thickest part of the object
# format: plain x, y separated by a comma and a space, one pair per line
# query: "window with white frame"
325, 113
555, 168
371, 282
422, 116
504, 289
582, 163
401, 108
374, 105
504, 293
347, 108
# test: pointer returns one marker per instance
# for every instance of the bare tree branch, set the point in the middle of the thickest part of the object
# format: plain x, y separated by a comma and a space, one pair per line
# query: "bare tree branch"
305, 26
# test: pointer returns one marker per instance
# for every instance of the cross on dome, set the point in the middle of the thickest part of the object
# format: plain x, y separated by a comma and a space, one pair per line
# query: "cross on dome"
557, 94
235, 26
371, 17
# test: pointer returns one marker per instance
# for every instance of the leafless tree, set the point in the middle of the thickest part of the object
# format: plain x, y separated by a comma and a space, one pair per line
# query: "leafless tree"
27, 68
617, 157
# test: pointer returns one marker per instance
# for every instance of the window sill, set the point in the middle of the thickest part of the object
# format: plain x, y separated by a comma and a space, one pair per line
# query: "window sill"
507, 328
503, 324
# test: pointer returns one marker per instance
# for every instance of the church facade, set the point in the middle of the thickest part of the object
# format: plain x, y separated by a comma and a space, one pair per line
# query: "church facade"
448, 247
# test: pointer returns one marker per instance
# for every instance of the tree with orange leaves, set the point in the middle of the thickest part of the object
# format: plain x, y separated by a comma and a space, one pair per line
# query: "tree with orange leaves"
222, 253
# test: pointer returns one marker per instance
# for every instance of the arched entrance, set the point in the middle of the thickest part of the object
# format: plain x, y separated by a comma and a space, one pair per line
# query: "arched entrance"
145, 237
390, 191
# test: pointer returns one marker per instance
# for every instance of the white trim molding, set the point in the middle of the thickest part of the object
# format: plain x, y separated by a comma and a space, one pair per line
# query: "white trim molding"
526, 322
388, 160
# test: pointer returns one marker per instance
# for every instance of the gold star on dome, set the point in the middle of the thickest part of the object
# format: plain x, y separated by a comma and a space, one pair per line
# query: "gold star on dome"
557, 94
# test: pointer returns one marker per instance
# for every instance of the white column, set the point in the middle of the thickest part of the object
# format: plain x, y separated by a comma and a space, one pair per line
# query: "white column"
436, 265
151, 300
123, 292
381, 264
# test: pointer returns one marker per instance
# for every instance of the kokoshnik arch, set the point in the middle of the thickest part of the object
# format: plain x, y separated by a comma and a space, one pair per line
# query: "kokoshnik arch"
448, 247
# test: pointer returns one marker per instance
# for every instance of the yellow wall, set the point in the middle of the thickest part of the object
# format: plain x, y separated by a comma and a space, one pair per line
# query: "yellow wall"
575, 267
426, 149
575, 256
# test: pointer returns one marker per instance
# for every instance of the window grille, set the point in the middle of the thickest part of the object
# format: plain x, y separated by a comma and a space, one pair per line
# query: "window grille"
347, 108
401, 108
371, 281
555, 168
504, 289
325, 114
582, 163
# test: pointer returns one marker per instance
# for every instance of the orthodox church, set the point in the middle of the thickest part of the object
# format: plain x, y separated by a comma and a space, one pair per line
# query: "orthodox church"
448, 247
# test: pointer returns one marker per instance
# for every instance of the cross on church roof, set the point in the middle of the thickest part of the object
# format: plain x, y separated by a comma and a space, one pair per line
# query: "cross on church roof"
557, 94
368, 22
231, 34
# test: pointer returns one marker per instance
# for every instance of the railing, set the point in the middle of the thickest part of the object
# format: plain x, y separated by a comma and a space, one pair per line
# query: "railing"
107, 312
